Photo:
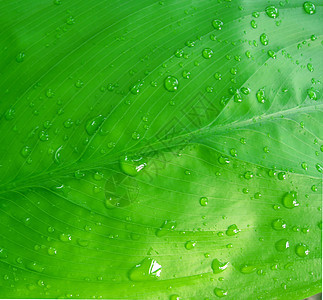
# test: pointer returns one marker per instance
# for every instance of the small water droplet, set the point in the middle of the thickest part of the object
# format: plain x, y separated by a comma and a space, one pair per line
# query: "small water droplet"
65, 237
248, 175
132, 165
51, 251
34, 266
20, 57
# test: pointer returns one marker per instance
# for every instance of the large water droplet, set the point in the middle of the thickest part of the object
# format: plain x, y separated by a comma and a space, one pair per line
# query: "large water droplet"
282, 245
189, 245
217, 24
93, 125
132, 166
220, 292
232, 230
207, 53
148, 269
264, 39
302, 250
309, 7
261, 96
171, 83
219, 267
279, 224
290, 200
272, 11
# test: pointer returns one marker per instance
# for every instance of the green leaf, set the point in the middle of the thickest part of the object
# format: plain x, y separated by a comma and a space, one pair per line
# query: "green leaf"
155, 150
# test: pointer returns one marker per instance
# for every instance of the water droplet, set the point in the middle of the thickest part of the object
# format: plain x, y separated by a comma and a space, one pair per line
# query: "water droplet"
3, 253
248, 175
166, 227
94, 124
257, 195
245, 90
290, 200
50, 229
310, 67
217, 24
189, 245
282, 245
179, 53
271, 54
253, 24
312, 93
51, 251
261, 96
272, 11
207, 53
79, 83
132, 166
304, 165
319, 167
175, 297
314, 188
65, 237
302, 250
20, 57
219, 267
223, 160
266, 149
232, 230
70, 20
186, 74
50, 93
309, 7
282, 176
34, 266
264, 39
220, 292
247, 269
135, 89
25, 151
43, 136
279, 224
171, 83
203, 201
148, 269
233, 152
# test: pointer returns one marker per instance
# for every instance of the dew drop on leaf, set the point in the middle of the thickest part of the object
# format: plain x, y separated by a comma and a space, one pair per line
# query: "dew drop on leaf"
247, 269
309, 7
217, 24
272, 12
261, 96
279, 224
302, 250
34, 266
203, 201
94, 124
264, 39
232, 230
132, 165
220, 292
218, 267
147, 269
223, 160
290, 200
171, 83
282, 245
189, 245
166, 227
207, 53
